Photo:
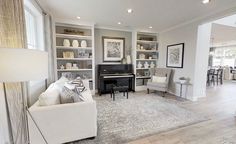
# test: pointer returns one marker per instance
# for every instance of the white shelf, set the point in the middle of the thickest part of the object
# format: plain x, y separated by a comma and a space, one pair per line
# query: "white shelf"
151, 51
76, 48
146, 59
74, 58
73, 70
145, 41
74, 36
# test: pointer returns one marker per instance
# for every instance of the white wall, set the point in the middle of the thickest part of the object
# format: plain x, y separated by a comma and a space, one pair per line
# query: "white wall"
188, 35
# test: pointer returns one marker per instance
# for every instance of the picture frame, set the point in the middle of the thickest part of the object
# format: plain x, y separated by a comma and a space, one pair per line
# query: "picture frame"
113, 49
175, 55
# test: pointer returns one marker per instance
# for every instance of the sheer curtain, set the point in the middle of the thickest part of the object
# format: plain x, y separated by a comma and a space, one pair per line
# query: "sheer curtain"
49, 47
12, 35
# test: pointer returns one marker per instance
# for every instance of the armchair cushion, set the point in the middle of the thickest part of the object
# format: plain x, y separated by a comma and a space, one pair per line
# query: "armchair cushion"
158, 79
154, 84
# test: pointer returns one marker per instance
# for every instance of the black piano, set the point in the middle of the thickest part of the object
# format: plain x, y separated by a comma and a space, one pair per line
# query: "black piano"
115, 74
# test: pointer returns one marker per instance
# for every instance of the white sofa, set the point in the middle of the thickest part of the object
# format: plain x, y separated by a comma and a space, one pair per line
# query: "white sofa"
63, 122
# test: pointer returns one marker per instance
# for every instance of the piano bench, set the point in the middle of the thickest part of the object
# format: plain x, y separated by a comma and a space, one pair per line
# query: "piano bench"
120, 89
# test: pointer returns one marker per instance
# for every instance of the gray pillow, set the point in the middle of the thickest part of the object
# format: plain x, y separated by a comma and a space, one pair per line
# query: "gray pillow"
69, 96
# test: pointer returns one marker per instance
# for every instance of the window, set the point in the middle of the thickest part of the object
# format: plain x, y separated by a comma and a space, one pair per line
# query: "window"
34, 25
224, 56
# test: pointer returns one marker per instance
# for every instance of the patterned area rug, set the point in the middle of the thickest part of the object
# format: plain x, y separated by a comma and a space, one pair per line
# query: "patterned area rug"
141, 115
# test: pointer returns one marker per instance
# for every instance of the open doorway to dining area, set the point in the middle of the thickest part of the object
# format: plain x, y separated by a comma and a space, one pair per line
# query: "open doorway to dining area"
222, 54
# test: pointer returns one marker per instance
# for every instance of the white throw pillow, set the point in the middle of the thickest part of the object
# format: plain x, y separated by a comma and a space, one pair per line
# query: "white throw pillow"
158, 79
50, 97
61, 82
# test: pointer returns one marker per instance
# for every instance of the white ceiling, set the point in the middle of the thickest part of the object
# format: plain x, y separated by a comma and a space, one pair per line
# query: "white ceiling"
160, 14
222, 34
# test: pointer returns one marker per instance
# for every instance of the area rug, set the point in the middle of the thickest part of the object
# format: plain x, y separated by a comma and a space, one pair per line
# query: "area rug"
141, 115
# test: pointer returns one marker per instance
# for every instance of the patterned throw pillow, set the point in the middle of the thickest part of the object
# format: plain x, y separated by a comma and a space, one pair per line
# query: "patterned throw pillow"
69, 96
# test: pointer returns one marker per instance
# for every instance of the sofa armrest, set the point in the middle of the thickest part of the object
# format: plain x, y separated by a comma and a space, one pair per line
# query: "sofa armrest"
64, 122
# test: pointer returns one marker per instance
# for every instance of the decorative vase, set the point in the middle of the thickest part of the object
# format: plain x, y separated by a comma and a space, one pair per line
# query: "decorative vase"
68, 65
146, 65
84, 43
75, 43
128, 59
66, 42
123, 61
140, 65
152, 65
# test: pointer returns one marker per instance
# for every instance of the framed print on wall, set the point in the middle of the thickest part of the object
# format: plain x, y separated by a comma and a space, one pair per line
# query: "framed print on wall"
175, 55
113, 49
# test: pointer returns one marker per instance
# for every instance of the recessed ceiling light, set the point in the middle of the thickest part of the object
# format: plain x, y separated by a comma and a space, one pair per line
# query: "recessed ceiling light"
130, 10
206, 1
119, 23
78, 17
150, 27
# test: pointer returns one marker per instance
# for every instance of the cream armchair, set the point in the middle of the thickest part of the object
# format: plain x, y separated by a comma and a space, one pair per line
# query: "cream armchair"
161, 84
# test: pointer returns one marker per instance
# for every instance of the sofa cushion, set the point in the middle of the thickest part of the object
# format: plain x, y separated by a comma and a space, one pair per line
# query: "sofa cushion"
158, 79
50, 97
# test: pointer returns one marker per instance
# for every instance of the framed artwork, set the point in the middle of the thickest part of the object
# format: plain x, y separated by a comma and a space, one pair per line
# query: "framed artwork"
113, 49
175, 55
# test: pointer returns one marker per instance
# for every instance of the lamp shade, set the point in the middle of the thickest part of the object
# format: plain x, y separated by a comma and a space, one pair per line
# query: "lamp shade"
19, 65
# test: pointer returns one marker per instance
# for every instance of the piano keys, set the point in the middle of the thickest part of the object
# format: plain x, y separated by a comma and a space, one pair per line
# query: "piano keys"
115, 74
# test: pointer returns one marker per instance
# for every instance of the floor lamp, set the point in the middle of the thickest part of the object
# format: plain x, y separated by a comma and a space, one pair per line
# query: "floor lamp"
21, 65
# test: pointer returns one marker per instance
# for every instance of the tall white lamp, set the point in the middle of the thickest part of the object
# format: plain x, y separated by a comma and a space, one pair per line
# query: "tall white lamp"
21, 65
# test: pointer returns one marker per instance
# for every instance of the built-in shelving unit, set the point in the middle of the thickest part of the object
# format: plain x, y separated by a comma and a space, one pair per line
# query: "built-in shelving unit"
145, 55
74, 59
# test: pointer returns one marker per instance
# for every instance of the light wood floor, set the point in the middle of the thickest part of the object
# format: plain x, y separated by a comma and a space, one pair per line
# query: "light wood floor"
219, 106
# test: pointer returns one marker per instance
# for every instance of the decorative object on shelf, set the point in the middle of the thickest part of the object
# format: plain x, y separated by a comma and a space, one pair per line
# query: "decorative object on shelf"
175, 55
140, 65
90, 55
83, 43
86, 55
141, 56
66, 42
146, 73
154, 56
146, 65
123, 61
141, 47
138, 46
150, 57
68, 75
68, 65
128, 59
74, 32
113, 49
74, 66
81, 53
152, 65
75, 43
138, 74
62, 67
68, 54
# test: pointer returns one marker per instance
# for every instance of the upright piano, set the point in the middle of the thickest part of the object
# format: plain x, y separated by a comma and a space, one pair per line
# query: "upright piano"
115, 74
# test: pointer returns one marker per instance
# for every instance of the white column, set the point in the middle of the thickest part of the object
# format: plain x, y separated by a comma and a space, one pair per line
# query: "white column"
201, 60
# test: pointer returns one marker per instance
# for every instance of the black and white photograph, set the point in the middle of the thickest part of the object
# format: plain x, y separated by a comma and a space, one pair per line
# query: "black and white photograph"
113, 49
175, 55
